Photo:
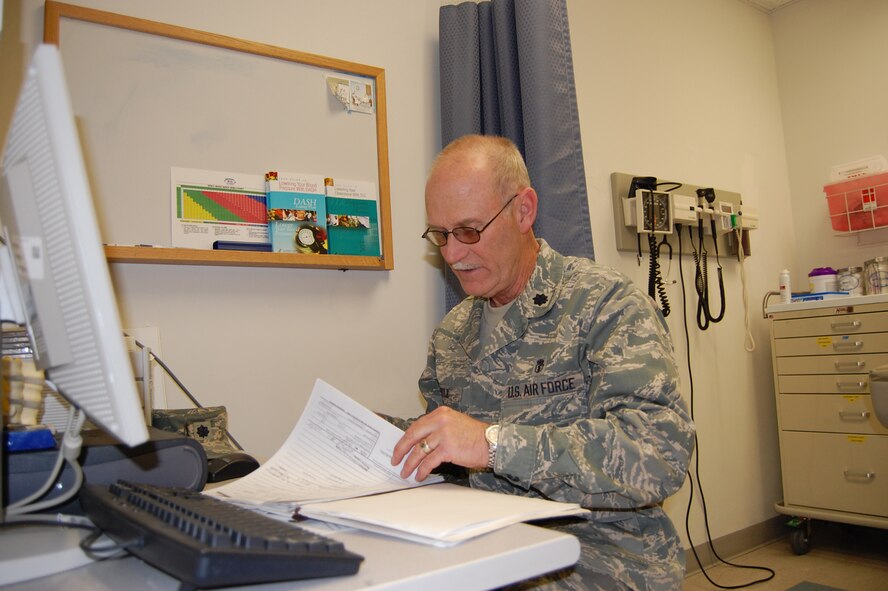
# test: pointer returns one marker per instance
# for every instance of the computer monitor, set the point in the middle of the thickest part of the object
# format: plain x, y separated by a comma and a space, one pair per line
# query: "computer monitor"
60, 273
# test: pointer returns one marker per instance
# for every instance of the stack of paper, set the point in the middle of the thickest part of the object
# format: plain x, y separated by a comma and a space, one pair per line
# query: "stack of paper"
442, 515
338, 459
338, 449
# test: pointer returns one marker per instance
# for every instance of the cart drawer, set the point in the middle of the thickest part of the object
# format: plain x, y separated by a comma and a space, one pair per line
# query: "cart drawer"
826, 384
835, 325
838, 472
830, 364
832, 345
830, 413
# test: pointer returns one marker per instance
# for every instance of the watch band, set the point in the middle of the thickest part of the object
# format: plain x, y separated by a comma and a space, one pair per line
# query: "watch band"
492, 436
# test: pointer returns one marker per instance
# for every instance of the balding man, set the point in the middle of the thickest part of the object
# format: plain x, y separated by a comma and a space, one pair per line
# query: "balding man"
554, 378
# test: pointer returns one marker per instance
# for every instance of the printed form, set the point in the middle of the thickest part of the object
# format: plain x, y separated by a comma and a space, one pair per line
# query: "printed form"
338, 449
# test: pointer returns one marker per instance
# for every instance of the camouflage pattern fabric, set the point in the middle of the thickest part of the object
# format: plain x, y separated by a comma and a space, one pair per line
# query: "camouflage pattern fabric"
580, 373
207, 425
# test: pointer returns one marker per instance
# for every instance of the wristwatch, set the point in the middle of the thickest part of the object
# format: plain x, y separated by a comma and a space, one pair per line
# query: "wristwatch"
492, 436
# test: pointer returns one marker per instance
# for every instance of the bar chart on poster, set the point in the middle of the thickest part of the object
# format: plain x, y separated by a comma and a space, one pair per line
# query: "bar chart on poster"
200, 203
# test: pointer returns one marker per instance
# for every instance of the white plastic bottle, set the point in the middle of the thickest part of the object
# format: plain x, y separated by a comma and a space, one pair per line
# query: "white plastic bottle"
785, 287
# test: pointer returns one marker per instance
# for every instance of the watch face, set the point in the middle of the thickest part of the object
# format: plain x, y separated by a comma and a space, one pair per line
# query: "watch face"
305, 237
492, 434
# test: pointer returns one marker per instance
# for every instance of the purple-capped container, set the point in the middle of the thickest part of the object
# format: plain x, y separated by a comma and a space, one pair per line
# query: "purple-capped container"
823, 279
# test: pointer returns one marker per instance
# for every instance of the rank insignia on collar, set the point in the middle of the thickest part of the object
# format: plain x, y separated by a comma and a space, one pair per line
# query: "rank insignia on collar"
540, 299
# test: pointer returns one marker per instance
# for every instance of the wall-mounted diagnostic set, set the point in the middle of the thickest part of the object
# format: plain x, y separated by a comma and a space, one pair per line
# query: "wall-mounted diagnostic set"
650, 215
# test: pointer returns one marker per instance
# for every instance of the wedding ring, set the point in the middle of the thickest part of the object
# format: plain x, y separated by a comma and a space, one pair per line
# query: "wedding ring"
425, 447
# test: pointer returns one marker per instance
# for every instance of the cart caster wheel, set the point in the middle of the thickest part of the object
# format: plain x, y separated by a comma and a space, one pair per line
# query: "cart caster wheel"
800, 541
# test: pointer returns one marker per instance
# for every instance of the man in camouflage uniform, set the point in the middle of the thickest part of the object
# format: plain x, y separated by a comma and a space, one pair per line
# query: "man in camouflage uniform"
569, 360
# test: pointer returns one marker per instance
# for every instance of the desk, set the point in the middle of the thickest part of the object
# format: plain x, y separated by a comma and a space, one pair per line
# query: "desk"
505, 556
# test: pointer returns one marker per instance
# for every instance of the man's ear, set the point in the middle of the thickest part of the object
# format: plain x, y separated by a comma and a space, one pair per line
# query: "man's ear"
527, 209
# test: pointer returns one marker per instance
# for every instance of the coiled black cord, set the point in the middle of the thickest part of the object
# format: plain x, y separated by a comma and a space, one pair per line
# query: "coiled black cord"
661, 288
701, 277
701, 283
656, 289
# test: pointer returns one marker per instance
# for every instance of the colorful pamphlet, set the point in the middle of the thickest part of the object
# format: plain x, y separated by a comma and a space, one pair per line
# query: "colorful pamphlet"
210, 205
352, 217
297, 212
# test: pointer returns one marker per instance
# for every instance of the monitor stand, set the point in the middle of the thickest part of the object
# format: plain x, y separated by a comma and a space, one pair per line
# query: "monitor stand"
32, 551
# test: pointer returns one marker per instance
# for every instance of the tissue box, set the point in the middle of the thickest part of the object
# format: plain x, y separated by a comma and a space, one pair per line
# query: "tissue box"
858, 204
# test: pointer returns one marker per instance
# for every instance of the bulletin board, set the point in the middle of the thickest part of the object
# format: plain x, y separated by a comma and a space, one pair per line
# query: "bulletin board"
149, 96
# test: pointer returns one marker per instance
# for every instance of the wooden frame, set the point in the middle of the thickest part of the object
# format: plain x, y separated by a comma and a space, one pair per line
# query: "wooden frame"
56, 11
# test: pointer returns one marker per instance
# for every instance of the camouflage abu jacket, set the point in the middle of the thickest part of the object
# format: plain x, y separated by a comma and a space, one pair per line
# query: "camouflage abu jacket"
580, 374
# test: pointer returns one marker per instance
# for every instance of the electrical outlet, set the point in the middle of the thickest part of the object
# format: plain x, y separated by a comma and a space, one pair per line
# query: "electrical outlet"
144, 367
135, 357
140, 359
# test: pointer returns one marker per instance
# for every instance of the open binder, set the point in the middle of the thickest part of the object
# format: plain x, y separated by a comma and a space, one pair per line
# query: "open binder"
336, 467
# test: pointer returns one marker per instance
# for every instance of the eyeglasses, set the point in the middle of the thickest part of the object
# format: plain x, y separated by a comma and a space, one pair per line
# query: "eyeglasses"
464, 234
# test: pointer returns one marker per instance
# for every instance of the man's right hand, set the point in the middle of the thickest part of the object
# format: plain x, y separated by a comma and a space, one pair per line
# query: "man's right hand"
449, 436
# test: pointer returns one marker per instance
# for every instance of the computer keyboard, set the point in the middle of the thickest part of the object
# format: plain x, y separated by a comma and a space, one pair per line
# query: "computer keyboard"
206, 542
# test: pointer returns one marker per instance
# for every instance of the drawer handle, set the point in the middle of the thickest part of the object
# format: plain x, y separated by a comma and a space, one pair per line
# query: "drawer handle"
846, 365
845, 325
863, 415
847, 346
850, 386
864, 475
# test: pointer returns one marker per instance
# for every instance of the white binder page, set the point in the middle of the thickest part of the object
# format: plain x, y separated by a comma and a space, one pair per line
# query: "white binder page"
338, 449
442, 515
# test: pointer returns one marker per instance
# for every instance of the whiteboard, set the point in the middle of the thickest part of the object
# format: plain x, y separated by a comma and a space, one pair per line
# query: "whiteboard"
150, 96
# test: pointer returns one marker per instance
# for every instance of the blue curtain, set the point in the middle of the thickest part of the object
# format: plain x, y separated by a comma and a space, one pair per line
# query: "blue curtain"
507, 69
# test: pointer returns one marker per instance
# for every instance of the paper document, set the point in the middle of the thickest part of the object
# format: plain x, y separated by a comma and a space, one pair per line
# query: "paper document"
338, 449
442, 515
339, 456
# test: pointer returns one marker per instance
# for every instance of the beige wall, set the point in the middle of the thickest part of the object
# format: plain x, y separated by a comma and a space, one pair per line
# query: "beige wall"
688, 90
